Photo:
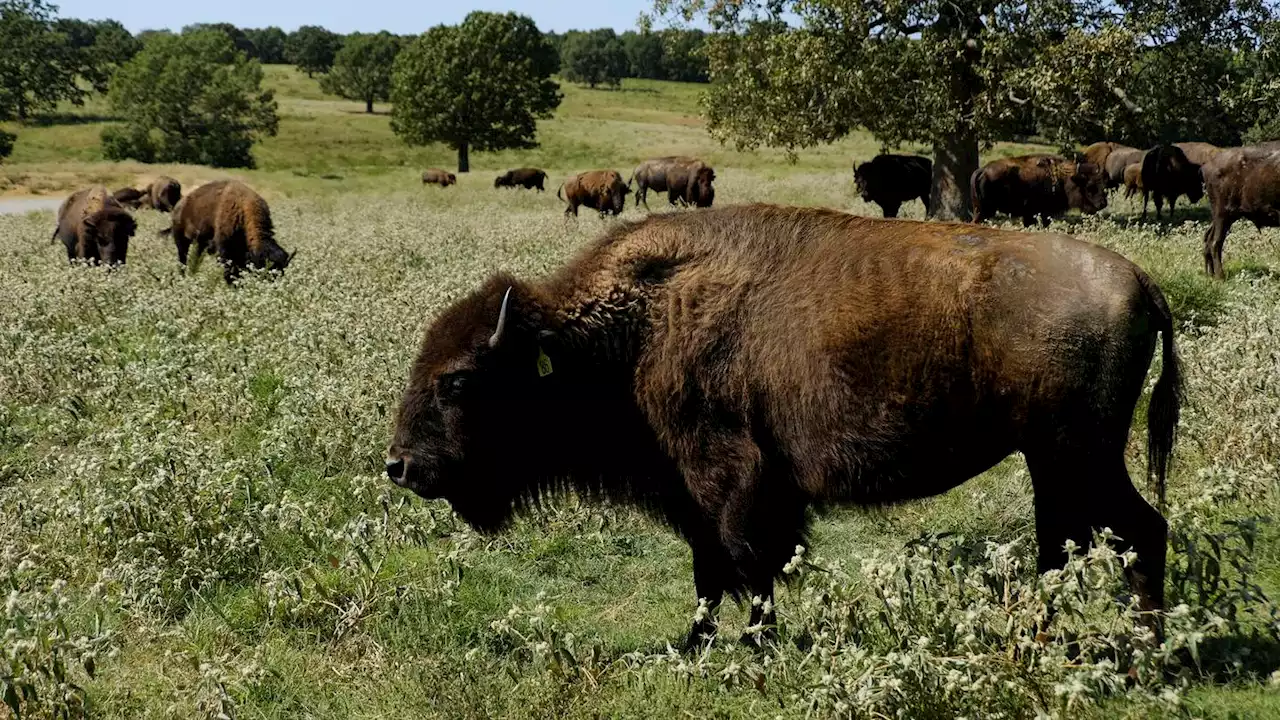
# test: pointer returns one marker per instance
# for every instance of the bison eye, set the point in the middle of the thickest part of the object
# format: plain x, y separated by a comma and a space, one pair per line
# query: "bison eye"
450, 386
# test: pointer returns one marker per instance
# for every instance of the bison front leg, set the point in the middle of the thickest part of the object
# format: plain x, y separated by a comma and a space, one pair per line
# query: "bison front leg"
890, 209
710, 563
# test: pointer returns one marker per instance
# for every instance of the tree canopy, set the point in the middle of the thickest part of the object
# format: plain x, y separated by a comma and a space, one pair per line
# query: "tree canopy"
594, 57
362, 68
952, 75
38, 66
190, 98
312, 49
99, 47
482, 84
268, 44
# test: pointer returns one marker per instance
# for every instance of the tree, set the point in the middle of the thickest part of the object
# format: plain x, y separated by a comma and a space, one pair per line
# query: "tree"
268, 44
100, 46
362, 68
190, 98
482, 84
312, 49
594, 57
38, 67
948, 74
682, 56
237, 36
644, 54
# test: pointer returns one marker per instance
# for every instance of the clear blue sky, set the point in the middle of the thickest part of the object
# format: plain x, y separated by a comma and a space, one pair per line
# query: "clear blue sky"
403, 17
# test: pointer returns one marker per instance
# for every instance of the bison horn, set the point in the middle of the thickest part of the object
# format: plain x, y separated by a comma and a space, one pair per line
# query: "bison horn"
502, 321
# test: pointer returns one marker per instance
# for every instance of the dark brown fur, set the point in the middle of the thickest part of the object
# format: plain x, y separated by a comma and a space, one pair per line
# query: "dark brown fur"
729, 368
601, 190
686, 180
227, 219
95, 227
130, 197
890, 180
527, 178
163, 194
1242, 183
1036, 185
1166, 174
435, 176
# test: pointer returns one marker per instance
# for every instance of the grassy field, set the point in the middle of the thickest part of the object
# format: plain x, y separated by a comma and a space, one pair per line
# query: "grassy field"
192, 498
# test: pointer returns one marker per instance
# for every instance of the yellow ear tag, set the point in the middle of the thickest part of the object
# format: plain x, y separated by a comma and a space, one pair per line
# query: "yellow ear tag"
544, 363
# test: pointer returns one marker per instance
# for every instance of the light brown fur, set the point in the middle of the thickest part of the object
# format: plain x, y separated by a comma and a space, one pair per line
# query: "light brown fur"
601, 190
228, 219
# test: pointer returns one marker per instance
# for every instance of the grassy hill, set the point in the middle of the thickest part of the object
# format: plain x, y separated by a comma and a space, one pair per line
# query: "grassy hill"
191, 490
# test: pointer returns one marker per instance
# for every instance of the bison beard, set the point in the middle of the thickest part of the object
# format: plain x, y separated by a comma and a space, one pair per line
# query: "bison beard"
718, 370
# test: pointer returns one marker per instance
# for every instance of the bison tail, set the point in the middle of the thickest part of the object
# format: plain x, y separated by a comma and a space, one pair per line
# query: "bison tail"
166, 232
977, 183
1166, 397
558, 191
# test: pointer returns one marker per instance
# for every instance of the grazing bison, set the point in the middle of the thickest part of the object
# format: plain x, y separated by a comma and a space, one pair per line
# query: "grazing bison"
890, 180
1166, 174
1241, 183
1198, 152
720, 370
527, 178
130, 197
686, 180
229, 220
95, 227
163, 194
435, 176
601, 190
1031, 185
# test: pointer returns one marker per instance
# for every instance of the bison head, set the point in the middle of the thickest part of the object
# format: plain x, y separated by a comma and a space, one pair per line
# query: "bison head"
701, 192
502, 180
112, 230
862, 181
169, 196
1193, 182
462, 432
1086, 188
615, 200
453, 180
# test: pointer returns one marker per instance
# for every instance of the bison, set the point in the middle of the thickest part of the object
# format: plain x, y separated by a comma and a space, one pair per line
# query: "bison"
436, 176
1166, 174
601, 190
527, 178
95, 227
163, 194
1241, 183
229, 220
1119, 159
130, 197
720, 370
890, 180
1132, 180
1031, 185
686, 180
1198, 152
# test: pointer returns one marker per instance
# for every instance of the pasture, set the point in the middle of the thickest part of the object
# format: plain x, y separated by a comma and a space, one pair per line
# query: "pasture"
193, 502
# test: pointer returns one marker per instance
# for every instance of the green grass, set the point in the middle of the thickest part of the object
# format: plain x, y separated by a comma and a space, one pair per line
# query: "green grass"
212, 455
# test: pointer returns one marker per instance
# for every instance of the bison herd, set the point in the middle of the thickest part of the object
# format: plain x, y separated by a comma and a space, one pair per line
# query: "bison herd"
1241, 183
224, 218
730, 368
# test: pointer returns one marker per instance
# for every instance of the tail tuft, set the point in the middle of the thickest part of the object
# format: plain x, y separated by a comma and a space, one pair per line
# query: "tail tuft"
1166, 398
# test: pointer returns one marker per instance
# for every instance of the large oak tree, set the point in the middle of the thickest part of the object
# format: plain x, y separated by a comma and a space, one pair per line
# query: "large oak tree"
954, 75
480, 85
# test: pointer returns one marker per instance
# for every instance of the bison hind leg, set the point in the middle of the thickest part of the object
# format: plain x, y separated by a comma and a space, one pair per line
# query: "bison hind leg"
890, 209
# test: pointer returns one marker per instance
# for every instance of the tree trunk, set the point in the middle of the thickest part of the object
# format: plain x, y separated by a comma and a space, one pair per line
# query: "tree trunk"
368, 105
954, 160
464, 161
955, 156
